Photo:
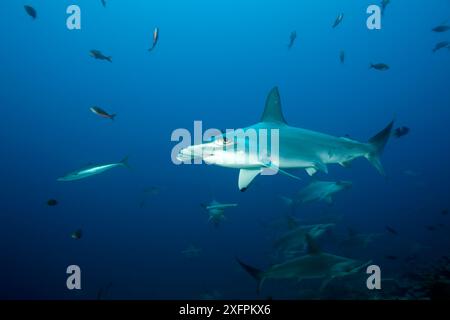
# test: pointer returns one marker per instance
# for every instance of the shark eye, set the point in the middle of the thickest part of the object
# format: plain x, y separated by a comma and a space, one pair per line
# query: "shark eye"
223, 141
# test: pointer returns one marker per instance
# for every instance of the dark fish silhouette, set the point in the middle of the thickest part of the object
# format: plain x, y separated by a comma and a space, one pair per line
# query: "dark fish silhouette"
52, 202
441, 28
431, 228
77, 234
338, 20
31, 11
342, 56
444, 212
102, 113
391, 230
155, 38
401, 131
441, 45
96, 54
104, 3
384, 4
292, 39
379, 66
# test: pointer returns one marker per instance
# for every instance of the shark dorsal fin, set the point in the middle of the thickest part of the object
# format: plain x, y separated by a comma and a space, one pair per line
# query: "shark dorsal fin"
311, 245
272, 111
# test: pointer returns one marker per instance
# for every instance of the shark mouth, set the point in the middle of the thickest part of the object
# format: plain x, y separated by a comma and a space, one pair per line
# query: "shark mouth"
188, 155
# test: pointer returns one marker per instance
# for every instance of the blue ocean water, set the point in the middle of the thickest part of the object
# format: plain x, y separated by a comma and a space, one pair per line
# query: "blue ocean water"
215, 62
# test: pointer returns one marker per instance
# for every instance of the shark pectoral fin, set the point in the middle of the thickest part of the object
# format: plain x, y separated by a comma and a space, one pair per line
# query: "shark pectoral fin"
346, 164
246, 176
318, 166
311, 171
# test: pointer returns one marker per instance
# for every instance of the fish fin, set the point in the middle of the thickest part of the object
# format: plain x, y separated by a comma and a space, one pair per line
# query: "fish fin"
311, 246
246, 176
272, 110
257, 274
346, 164
112, 116
125, 163
311, 171
109, 59
320, 166
378, 142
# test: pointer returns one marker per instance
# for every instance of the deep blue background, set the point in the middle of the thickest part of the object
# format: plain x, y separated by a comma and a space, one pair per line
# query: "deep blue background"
215, 62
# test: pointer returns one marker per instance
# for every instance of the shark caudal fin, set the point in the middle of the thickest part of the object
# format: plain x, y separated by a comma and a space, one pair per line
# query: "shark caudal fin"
378, 142
125, 163
257, 274
272, 111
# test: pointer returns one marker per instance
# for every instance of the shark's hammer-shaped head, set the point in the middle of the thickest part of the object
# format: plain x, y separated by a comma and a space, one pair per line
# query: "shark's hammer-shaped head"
241, 148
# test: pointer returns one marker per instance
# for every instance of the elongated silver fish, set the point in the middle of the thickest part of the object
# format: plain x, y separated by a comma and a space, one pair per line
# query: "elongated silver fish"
93, 170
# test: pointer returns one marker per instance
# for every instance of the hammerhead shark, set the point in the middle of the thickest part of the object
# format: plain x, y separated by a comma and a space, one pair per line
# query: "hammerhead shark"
297, 147
314, 265
216, 211
317, 191
296, 238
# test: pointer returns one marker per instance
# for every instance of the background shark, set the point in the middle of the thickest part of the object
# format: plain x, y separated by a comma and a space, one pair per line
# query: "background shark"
296, 238
298, 148
316, 191
216, 211
314, 265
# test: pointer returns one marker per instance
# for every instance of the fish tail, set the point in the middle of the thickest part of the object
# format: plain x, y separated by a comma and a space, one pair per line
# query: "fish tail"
377, 143
112, 116
257, 274
109, 59
125, 163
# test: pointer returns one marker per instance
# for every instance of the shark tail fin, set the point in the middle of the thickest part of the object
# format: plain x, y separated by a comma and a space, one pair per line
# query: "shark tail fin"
257, 274
125, 163
378, 142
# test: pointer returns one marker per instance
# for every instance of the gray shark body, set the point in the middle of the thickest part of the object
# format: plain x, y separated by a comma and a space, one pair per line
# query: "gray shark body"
297, 147
296, 238
356, 240
314, 265
92, 170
